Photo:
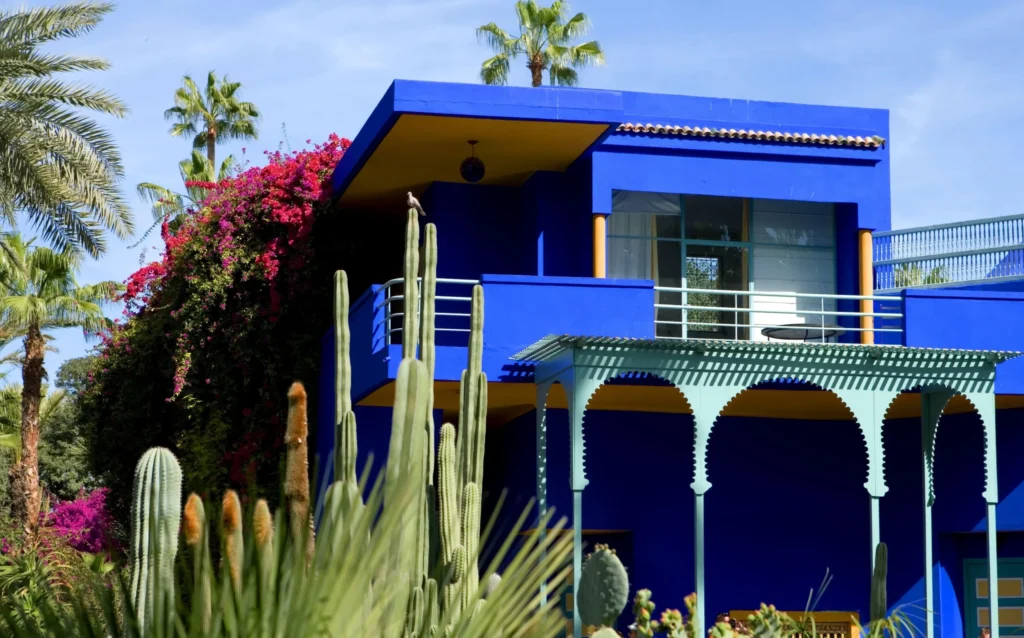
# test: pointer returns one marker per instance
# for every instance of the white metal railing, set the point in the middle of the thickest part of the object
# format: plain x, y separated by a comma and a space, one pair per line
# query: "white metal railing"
977, 251
449, 313
697, 316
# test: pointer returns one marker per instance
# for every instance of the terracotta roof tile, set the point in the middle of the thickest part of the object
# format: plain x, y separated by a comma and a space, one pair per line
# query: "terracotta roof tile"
873, 141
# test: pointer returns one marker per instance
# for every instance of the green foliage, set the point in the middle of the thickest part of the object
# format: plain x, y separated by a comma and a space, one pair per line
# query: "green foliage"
212, 115
156, 520
603, 588
230, 316
545, 39
73, 374
879, 604
61, 168
909, 275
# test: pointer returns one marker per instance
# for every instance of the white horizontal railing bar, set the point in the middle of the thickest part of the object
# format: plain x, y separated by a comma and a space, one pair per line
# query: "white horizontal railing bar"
970, 222
785, 311
399, 280
389, 299
809, 327
765, 293
939, 256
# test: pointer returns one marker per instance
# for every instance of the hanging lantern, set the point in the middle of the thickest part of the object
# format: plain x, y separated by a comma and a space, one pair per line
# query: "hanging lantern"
472, 169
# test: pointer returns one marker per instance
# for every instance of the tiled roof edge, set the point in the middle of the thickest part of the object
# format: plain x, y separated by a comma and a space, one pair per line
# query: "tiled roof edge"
857, 141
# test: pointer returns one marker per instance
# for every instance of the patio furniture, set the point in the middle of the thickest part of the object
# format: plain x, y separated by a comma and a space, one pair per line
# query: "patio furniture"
803, 332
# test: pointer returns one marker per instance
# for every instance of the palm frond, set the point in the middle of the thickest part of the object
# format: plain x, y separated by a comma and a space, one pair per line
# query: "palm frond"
495, 70
37, 26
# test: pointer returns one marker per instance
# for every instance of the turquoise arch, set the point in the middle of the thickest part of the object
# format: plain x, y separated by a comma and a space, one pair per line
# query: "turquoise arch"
710, 375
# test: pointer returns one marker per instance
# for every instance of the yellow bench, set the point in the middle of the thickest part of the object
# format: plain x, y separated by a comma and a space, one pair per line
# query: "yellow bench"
828, 624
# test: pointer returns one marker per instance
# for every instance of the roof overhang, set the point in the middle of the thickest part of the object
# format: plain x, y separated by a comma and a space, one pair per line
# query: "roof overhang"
419, 132
551, 347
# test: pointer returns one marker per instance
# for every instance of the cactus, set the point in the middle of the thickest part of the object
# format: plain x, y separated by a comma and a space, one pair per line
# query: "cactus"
234, 549
643, 609
156, 519
195, 537
605, 632
603, 588
492, 583
296, 485
460, 465
879, 606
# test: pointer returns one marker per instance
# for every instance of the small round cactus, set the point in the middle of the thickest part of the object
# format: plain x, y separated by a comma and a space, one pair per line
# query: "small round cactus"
604, 588
606, 632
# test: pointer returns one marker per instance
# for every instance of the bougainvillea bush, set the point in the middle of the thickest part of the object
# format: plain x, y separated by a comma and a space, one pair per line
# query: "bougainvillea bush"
215, 331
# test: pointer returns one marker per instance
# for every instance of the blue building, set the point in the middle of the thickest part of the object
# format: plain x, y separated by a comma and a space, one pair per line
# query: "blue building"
659, 273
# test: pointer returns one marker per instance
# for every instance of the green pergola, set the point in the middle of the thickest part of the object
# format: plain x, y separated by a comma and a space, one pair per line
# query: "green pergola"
711, 374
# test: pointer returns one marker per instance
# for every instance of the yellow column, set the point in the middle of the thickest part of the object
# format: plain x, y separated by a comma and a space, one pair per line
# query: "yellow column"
867, 287
600, 251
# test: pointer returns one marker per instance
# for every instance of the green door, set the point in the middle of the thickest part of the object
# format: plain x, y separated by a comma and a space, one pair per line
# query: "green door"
1011, 597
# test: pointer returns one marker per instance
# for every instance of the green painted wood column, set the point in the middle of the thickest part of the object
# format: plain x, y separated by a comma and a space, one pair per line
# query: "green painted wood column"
543, 389
933, 401
985, 404
579, 388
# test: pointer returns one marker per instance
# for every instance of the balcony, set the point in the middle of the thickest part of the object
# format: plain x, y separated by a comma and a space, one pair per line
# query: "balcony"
984, 251
520, 310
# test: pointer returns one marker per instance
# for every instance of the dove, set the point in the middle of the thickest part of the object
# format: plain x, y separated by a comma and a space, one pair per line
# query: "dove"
412, 202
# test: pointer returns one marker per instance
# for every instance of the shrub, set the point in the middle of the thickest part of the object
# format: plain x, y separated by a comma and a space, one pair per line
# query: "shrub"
220, 326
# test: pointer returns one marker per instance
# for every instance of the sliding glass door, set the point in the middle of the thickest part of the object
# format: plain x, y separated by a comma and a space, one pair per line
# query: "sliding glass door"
684, 243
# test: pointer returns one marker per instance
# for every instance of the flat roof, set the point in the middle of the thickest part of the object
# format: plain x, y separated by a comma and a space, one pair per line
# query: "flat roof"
419, 131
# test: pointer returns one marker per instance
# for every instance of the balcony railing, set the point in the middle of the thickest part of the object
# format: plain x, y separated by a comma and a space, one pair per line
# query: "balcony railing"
694, 313
980, 251
453, 298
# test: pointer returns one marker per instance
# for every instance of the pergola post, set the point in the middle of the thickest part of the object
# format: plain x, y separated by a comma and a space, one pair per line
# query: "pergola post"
985, 404
542, 470
932, 404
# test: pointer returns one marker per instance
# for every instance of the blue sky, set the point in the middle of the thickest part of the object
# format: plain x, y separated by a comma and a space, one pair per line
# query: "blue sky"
950, 72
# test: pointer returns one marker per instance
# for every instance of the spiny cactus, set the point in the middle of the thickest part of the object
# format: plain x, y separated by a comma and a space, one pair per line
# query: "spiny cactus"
879, 605
195, 537
234, 548
156, 520
643, 609
605, 632
603, 588
460, 465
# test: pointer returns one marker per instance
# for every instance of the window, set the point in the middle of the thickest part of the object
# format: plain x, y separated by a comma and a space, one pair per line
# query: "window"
684, 242
794, 251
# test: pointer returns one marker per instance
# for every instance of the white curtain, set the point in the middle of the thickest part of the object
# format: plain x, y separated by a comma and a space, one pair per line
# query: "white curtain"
631, 232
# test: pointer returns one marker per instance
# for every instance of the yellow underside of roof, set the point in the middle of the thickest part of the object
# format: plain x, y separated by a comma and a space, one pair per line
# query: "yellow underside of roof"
421, 149
509, 400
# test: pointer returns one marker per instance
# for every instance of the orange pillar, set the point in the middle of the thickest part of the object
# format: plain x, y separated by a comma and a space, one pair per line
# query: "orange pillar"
600, 250
867, 287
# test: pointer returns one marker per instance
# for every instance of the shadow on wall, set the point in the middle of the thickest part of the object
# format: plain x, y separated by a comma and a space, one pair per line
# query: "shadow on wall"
788, 501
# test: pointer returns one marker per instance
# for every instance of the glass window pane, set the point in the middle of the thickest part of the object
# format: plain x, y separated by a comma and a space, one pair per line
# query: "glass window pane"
793, 223
716, 268
640, 202
715, 218
629, 258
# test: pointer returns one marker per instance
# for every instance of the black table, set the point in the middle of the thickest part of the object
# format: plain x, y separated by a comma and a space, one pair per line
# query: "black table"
803, 332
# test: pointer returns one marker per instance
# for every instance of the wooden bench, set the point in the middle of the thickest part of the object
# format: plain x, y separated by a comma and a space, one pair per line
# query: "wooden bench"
828, 624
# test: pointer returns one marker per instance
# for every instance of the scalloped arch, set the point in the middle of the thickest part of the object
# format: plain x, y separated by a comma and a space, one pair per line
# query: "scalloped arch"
864, 432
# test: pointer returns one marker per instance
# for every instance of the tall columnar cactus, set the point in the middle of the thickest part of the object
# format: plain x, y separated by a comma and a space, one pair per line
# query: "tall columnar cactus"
156, 520
879, 605
604, 588
460, 471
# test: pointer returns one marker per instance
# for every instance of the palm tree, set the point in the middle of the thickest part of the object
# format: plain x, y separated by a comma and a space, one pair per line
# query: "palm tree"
10, 414
545, 40
196, 172
58, 167
39, 292
212, 116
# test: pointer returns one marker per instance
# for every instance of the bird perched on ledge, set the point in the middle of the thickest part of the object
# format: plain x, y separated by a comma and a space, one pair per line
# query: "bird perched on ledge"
412, 202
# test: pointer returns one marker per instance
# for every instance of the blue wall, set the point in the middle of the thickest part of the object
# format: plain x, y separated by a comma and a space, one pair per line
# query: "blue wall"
787, 502
969, 320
